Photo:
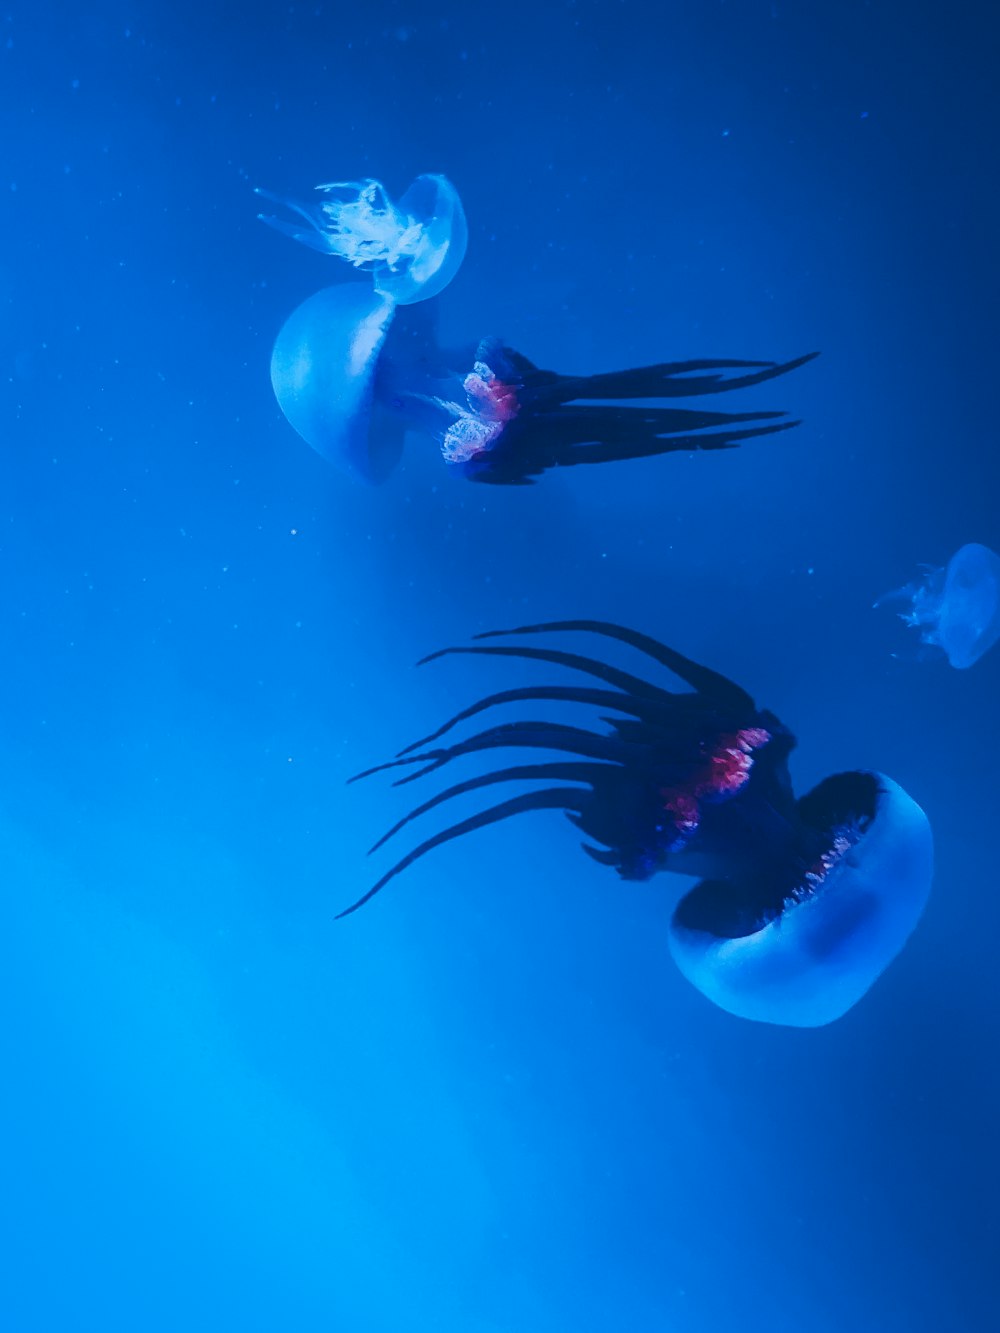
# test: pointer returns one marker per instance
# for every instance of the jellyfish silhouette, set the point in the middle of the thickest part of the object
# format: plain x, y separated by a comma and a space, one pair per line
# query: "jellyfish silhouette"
956, 609
804, 902
355, 371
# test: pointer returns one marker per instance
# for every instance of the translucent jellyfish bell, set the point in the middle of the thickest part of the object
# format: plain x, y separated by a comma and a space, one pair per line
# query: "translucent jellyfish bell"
323, 373
413, 249
957, 608
353, 373
802, 955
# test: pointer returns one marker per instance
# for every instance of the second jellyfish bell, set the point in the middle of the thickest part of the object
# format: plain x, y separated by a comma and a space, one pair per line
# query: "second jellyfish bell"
413, 249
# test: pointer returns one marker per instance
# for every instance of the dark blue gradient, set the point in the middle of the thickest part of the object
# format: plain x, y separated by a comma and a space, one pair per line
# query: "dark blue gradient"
488, 1103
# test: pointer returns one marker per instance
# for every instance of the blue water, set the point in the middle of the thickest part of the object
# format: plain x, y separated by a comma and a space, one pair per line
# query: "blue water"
488, 1103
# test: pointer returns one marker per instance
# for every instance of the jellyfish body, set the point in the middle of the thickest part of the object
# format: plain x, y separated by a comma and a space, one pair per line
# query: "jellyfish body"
413, 249
803, 954
511, 422
495, 416
805, 902
956, 609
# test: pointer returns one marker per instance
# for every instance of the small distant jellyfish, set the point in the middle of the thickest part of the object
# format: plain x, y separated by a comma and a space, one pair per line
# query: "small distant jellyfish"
956, 610
355, 368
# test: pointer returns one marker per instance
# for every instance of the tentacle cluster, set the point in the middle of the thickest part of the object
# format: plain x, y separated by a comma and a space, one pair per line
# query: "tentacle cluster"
640, 789
520, 421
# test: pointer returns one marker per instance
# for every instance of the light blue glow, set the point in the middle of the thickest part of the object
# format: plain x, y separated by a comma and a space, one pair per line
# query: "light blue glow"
957, 608
322, 372
819, 956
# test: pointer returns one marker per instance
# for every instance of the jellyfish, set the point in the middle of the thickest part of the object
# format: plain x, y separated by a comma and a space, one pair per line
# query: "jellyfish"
355, 371
956, 610
802, 903
413, 249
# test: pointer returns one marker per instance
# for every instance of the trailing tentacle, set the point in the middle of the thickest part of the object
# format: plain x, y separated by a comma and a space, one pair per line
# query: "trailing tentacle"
671, 379
700, 678
526, 736
554, 798
622, 680
564, 771
647, 710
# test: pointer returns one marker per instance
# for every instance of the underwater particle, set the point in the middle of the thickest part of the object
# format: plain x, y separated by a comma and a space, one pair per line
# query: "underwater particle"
955, 609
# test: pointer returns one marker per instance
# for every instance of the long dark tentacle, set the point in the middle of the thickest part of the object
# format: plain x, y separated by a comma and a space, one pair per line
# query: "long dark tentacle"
573, 425
646, 710
623, 444
398, 762
621, 680
603, 856
579, 435
701, 678
557, 772
525, 736
555, 798
510, 735
670, 379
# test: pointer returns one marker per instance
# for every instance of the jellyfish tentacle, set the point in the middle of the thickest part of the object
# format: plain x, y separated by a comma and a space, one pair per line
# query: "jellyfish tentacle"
579, 437
572, 771
666, 378
398, 762
527, 736
624, 446
561, 421
553, 798
672, 379
702, 679
578, 424
907, 593
604, 856
315, 237
622, 680
412, 249
645, 710
315, 240
355, 220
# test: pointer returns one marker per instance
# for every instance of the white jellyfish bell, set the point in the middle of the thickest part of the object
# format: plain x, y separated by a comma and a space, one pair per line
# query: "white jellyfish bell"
955, 609
323, 371
802, 955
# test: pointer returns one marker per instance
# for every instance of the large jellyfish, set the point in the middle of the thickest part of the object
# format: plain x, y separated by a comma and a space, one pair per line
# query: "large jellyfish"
355, 370
804, 902
956, 610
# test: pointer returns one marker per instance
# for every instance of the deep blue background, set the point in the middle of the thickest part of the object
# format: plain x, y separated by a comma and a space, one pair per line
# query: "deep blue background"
488, 1104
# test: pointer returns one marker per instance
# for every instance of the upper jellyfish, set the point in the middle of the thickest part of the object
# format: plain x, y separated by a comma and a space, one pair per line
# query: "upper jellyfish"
413, 249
